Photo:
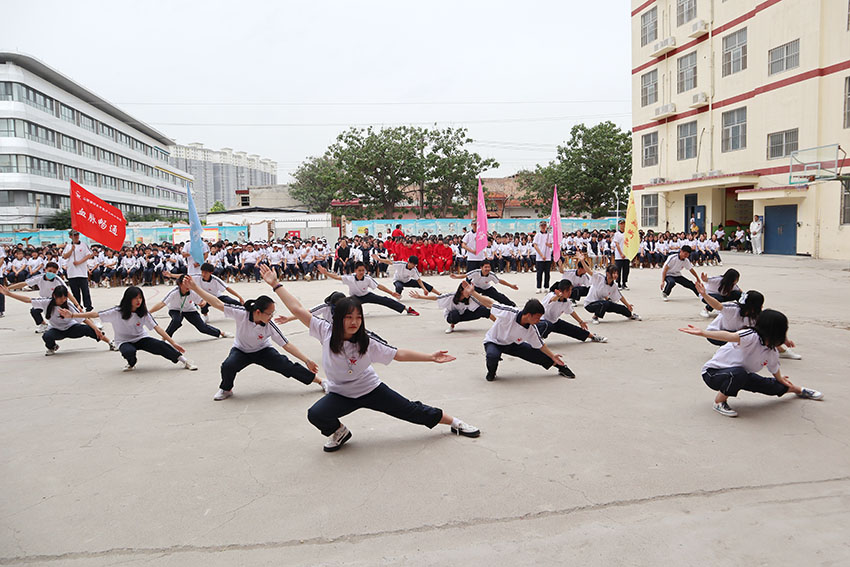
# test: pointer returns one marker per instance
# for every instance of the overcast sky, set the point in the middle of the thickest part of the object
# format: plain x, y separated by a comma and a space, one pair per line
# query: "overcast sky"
282, 79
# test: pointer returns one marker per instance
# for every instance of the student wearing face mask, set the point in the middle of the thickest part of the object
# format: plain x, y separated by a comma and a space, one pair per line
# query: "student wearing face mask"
46, 283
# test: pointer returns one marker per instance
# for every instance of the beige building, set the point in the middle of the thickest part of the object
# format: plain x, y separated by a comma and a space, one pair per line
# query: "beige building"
724, 92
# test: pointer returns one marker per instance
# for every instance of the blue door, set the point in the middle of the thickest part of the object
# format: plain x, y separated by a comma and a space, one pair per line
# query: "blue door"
780, 229
699, 216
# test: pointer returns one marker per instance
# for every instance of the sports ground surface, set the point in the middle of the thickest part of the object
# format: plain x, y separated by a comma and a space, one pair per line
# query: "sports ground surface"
625, 465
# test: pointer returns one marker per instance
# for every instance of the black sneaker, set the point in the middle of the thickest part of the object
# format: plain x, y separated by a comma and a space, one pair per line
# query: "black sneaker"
566, 372
490, 376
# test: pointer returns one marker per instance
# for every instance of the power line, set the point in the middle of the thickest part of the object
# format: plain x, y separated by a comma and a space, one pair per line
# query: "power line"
379, 103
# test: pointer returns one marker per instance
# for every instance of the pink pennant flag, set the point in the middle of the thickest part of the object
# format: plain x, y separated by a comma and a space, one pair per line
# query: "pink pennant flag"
555, 223
480, 221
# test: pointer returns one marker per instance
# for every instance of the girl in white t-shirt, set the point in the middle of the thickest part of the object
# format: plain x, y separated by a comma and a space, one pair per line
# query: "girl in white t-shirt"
130, 320
734, 367
457, 306
255, 332
348, 351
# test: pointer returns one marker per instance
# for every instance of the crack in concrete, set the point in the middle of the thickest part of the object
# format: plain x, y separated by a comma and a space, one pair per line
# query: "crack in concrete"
357, 537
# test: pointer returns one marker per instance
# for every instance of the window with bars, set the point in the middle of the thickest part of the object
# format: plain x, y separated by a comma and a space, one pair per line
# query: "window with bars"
687, 75
649, 210
781, 144
649, 149
783, 57
686, 148
649, 26
649, 88
686, 10
734, 135
735, 52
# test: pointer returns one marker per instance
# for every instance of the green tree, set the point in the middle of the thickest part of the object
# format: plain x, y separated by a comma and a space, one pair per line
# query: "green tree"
451, 172
592, 170
217, 207
376, 165
60, 220
318, 181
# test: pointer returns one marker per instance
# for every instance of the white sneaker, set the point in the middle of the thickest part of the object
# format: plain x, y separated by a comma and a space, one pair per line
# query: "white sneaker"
598, 339
222, 395
324, 386
466, 430
723, 409
788, 353
636, 317
225, 335
41, 328
594, 320
112, 346
450, 330
206, 318
129, 368
189, 366
51, 351
704, 313
338, 439
664, 296
539, 290
810, 394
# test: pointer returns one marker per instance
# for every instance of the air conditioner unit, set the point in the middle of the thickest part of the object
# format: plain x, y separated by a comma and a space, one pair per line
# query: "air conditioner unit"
665, 110
698, 100
663, 46
715, 173
699, 28
657, 180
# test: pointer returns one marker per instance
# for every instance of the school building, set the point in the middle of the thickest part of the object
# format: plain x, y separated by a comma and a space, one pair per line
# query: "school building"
725, 97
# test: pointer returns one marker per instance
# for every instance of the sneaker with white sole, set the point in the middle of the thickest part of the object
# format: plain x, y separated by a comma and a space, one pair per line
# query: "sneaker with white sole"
450, 330
635, 317
665, 297
594, 320
788, 353
41, 328
566, 372
206, 318
222, 395
598, 339
705, 314
337, 439
51, 351
112, 346
225, 335
129, 368
724, 409
810, 394
466, 430
189, 366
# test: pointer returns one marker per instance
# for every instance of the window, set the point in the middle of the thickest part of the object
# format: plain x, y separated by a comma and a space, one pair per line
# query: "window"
107, 131
69, 144
845, 198
39, 134
125, 163
649, 210
687, 146
735, 52
41, 167
69, 172
5, 91
7, 127
68, 114
245, 201
123, 139
783, 57
781, 144
34, 98
87, 123
107, 182
649, 26
89, 178
106, 156
649, 88
847, 102
687, 78
650, 149
88, 150
734, 135
686, 10
8, 164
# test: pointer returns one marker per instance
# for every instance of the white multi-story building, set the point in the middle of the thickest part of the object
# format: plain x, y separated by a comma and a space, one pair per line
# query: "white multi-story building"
220, 173
53, 130
723, 93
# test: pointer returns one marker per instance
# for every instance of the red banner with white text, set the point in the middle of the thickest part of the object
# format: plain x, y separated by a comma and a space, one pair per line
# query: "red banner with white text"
97, 219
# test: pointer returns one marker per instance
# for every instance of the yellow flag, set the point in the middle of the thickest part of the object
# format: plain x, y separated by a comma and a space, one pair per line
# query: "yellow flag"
632, 236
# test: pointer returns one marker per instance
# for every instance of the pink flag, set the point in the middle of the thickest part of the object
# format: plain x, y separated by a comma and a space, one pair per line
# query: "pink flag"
555, 223
480, 221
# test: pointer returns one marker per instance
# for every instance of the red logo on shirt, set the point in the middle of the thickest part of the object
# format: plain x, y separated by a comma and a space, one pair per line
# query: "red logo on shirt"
260, 337
352, 361
519, 340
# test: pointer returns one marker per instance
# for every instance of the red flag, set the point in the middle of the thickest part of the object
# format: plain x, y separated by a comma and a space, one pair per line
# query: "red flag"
96, 219
555, 223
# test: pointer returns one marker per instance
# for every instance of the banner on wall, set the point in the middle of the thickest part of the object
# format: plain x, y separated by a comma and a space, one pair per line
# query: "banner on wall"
455, 226
184, 234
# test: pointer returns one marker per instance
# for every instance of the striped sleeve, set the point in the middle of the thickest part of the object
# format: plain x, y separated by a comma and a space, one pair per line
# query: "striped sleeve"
277, 335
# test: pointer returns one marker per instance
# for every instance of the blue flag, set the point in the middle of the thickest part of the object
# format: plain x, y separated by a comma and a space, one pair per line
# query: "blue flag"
196, 247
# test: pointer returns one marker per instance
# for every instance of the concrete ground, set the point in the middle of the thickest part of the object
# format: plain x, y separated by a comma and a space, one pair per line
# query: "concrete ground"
626, 465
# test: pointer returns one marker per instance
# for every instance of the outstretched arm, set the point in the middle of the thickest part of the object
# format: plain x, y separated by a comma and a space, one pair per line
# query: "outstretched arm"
482, 299
331, 275
22, 298
556, 358
716, 335
235, 294
510, 285
405, 355
211, 300
458, 276
167, 338
392, 292
415, 295
296, 352
295, 307
159, 305
716, 305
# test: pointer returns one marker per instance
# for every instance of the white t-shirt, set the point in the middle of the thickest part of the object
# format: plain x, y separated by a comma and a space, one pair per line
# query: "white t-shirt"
713, 285
324, 311
555, 307
127, 330
251, 336
755, 228
350, 373
404, 274
359, 288
469, 240
600, 290
544, 243
675, 265
214, 287
46, 286
178, 302
507, 330
477, 279
729, 319
78, 252
575, 279
55, 320
619, 238
446, 301
749, 354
